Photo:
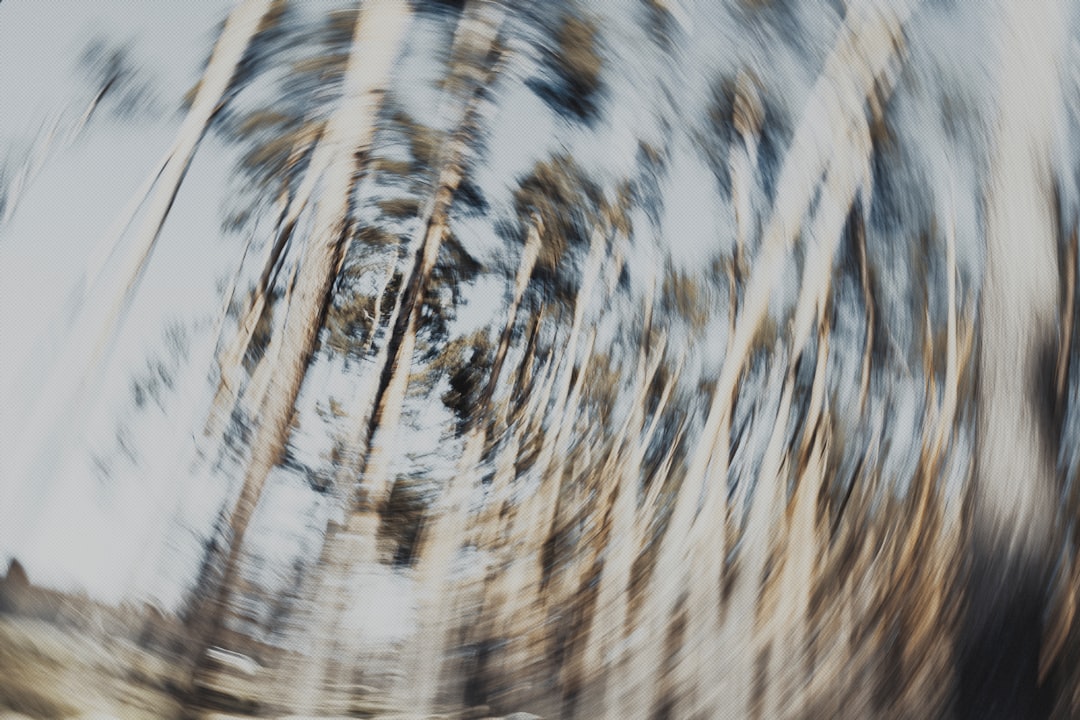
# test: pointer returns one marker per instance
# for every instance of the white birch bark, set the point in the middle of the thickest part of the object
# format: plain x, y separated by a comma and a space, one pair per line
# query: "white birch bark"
231, 359
380, 399
533, 521
833, 119
475, 37
623, 543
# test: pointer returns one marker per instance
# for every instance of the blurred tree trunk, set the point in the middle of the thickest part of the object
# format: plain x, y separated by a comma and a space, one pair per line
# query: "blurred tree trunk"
426, 653
231, 359
473, 47
621, 483
365, 480
858, 64
379, 29
1018, 427
523, 609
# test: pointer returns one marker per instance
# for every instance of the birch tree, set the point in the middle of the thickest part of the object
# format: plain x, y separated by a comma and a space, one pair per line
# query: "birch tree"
1019, 307
839, 90
425, 656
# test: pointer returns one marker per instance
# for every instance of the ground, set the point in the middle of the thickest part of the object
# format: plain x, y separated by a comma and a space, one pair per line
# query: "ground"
53, 672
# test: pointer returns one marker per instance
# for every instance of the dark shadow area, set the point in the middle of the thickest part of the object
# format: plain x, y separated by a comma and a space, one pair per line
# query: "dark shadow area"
999, 638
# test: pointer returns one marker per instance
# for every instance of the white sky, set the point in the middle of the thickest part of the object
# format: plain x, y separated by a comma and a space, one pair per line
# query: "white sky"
70, 531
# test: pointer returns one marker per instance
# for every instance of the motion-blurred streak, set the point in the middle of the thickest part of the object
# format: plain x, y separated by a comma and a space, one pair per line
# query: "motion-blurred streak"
567, 360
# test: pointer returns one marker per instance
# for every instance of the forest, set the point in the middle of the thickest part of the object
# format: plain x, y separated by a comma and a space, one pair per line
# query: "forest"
660, 359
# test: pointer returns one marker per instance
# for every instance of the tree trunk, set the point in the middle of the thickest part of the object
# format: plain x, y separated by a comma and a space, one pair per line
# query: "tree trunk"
859, 61
531, 525
1018, 430
379, 29
443, 535
381, 399
475, 41
231, 359
602, 654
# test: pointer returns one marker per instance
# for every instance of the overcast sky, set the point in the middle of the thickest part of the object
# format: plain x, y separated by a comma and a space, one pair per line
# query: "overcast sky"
77, 530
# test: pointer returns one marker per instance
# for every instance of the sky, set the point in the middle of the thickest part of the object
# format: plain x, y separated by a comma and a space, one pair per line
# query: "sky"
69, 532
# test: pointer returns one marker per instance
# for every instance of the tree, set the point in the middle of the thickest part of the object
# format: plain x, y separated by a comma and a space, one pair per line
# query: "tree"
378, 408
446, 529
1020, 309
775, 477
379, 27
